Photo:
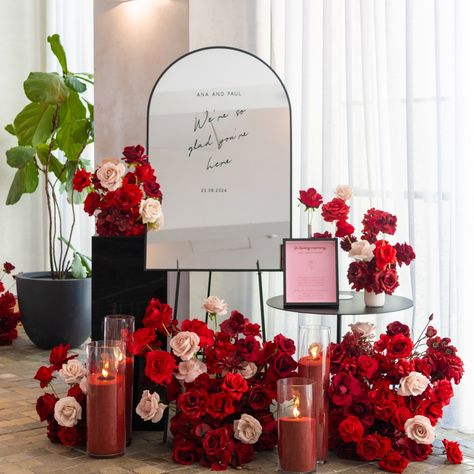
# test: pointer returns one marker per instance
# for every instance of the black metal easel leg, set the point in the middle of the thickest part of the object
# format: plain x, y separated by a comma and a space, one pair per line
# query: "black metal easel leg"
339, 327
176, 296
208, 292
262, 308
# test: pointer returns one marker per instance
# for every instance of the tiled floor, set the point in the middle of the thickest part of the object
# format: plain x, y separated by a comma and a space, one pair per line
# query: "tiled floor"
24, 447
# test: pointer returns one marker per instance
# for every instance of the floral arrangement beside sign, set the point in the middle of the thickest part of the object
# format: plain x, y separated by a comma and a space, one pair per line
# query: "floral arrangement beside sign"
386, 396
124, 194
65, 416
9, 315
223, 382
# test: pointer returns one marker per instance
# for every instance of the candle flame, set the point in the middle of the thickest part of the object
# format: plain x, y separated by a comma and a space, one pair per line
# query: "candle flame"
105, 370
296, 412
314, 350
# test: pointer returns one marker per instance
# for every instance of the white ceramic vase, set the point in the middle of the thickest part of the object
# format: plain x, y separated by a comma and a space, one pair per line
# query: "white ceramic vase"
373, 300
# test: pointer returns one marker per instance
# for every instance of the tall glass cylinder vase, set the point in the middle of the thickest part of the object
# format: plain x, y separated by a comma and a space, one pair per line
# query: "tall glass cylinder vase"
296, 425
105, 399
120, 327
314, 363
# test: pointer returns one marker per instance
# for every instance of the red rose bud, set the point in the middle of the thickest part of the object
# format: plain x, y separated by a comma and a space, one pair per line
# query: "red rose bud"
431, 331
310, 198
8, 267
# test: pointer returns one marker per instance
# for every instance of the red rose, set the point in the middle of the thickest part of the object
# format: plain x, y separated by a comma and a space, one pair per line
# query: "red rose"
413, 451
76, 392
432, 410
252, 329
68, 436
361, 408
259, 398
335, 210
91, 203
81, 180
431, 332
159, 367
134, 154
206, 335
385, 254
343, 388
59, 356
453, 451
385, 281
393, 462
351, 430
128, 196
284, 365
145, 173
183, 452
399, 416
243, 454
249, 348
322, 235
343, 228
45, 406
235, 385
235, 324
285, 344
158, 315
141, 338
153, 189
7, 301
358, 275
443, 391
405, 254
367, 366
215, 441
310, 198
220, 405
269, 437
398, 328
8, 267
376, 221
399, 347
44, 375
193, 403
52, 431
2, 287
369, 448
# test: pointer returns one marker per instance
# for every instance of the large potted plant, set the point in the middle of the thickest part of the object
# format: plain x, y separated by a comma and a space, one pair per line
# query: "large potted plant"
52, 131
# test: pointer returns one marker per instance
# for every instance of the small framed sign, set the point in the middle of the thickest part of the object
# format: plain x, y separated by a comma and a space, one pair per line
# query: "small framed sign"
310, 272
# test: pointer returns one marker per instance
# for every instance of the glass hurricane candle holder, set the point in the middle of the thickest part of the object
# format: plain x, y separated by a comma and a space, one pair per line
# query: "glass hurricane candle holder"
314, 363
105, 399
296, 425
120, 327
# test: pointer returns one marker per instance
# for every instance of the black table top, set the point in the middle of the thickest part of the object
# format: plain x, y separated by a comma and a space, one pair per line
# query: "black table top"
351, 306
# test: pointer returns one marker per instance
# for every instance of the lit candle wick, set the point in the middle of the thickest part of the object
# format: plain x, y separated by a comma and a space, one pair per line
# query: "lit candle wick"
314, 350
296, 412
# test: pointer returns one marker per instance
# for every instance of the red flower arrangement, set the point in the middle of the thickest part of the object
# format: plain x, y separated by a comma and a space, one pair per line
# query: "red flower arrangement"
375, 265
387, 395
9, 316
223, 382
66, 416
124, 195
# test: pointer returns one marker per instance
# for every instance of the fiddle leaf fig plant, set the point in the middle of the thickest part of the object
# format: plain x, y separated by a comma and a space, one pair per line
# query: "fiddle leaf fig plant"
52, 132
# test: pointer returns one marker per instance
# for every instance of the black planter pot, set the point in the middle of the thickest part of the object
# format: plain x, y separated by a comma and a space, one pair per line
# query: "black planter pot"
54, 311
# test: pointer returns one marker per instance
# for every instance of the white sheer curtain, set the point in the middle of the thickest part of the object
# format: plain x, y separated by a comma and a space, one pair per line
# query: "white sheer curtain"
383, 98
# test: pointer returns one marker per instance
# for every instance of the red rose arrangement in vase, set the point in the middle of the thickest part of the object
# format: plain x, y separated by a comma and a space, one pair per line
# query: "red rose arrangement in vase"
386, 396
66, 416
124, 194
223, 382
9, 316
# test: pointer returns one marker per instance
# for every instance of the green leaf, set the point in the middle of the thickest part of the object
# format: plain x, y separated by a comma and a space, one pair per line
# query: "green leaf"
25, 181
34, 123
58, 51
74, 83
72, 109
54, 166
19, 156
10, 129
90, 108
45, 87
77, 268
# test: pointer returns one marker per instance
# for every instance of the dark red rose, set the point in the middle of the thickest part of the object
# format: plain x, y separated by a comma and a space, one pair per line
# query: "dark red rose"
431, 332
44, 375
393, 462
7, 301
385, 254
443, 391
385, 281
249, 349
259, 398
285, 344
252, 329
343, 229
453, 451
358, 275
235, 324
68, 436
310, 198
52, 431
45, 406
145, 173
422, 365
215, 441
153, 189
128, 196
335, 210
398, 328
235, 385
399, 346
400, 415
141, 339
367, 366
158, 315
8, 267
91, 203
346, 244
351, 430
76, 392
413, 451
59, 355
432, 410
183, 452
401, 369
206, 335
361, 408
337, 352
376, 221
2, 287
322, 235
160, 366
369, 448
135, 154
243, 454
405, 254
284, 365
220, 405
383, 399
343, 388
81, 180
193, 403
269, 437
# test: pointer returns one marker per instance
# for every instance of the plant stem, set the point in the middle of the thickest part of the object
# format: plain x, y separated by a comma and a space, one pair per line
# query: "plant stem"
68, 245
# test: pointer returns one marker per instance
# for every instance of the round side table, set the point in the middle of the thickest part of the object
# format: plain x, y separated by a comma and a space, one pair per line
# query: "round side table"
352, 306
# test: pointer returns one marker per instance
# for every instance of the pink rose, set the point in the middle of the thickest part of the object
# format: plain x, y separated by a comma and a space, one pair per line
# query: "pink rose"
413, 384
362, 250
247, 429
110, 173
344, 192
248, 370
67, 411
150, 407
419, 429
185, 344
152, 213
362, 329
214, 305
73, 371
190, 370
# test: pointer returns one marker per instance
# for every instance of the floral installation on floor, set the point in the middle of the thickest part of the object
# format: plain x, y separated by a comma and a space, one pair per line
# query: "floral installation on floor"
223, 381
123, 194
374, 268
65, 416
387, 395
9, 315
